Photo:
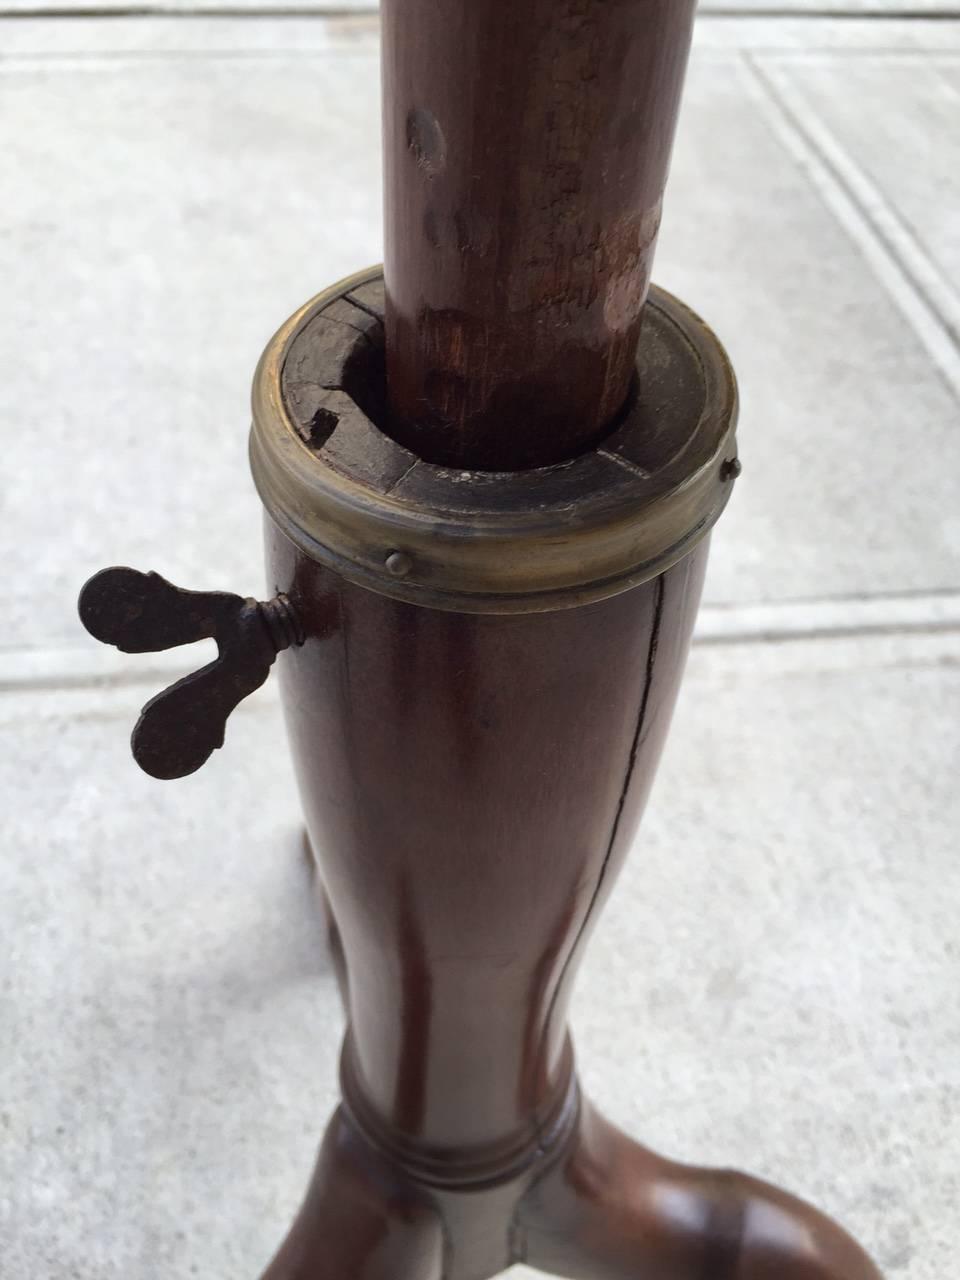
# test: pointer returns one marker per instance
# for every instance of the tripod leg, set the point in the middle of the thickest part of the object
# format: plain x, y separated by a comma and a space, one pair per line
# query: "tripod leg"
612, 1210
360, 1220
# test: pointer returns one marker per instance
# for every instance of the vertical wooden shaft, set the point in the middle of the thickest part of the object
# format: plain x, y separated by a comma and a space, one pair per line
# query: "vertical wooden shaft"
526, 148
471, 783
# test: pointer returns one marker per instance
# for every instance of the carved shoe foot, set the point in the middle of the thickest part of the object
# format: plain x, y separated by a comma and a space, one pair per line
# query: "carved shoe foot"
612, 1210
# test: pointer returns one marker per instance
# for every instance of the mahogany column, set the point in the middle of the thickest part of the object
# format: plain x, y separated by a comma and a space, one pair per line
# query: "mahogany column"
489, 483
525, 154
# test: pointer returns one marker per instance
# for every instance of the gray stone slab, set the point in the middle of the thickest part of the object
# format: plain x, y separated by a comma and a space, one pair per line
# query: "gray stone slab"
848, 427
867, 8
32, 39
888, 122
773, 984
164, 980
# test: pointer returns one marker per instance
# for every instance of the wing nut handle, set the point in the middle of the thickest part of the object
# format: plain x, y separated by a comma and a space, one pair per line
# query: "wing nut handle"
181, 727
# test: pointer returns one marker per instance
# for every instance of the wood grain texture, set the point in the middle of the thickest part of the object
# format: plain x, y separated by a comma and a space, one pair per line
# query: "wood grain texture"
470, 785
525, 155
611, 1209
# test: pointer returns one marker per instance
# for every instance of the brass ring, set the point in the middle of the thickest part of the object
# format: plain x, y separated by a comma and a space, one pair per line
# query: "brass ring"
478, 541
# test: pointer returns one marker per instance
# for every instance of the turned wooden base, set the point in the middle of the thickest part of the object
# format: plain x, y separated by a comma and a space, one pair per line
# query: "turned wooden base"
471, 784
592, 1204
598, 1207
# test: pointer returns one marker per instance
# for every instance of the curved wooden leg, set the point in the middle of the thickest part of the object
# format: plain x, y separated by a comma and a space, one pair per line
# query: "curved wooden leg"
360, 1220
472, 784
612, 1210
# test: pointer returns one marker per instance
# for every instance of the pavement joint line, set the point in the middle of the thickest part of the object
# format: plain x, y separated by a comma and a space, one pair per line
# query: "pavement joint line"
196, 11
900, 239
896, 277
929, 613
37, 39
776, 12
895, 274
726, 11
88, 59
772, 635
80, 665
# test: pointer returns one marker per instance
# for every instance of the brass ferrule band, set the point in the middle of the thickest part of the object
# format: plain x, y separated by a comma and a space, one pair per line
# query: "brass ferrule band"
479, 541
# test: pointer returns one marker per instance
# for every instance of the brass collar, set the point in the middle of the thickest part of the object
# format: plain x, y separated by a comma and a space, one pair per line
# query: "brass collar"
481, 541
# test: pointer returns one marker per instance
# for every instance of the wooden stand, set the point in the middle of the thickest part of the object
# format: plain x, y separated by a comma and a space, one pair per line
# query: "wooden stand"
474, 745
487, 518
464, 876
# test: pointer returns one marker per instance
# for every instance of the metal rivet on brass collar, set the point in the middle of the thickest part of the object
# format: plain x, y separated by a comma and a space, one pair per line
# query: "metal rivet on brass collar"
398, 563
731, 469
